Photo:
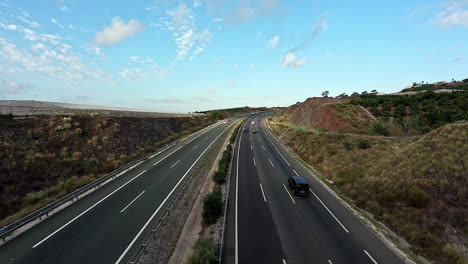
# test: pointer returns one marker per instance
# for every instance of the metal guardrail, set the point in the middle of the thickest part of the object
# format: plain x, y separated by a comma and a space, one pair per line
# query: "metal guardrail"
226, 198
141, 250
73, 196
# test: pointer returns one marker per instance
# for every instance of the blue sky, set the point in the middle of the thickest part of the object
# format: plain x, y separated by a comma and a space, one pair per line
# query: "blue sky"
193, 55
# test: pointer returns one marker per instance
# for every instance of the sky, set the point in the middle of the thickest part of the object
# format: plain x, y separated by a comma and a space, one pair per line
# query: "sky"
194, 55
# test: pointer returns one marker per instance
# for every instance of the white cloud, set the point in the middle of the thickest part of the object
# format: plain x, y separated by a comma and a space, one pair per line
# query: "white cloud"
196, 3
30, 23
117, 31
217, 20
190, 42
55, 59
11, 87
57, 23
134, 74
455, 13
273, 42
291, 60
9, 26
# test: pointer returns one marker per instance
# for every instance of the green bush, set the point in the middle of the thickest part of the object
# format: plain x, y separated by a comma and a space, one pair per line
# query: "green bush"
348, 145
216, 115
220, 175
418, 198
364, 144
212, 206
453, 255
380, 128
204, 252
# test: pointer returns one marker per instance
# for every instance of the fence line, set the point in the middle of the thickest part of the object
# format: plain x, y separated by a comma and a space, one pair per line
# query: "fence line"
31, 111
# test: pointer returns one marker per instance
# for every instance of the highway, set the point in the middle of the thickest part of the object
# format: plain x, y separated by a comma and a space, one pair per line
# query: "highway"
266, 223
109, 224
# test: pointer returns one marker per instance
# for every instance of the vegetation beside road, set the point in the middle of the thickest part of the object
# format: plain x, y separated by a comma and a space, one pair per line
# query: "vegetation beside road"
213, 206
413, 179
47, 157
417, 114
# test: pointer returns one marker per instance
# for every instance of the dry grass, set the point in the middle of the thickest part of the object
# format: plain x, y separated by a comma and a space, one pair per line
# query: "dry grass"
354, 115
37, 157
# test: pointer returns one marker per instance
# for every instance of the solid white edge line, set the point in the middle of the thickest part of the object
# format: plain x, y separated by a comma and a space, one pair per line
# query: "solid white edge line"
289, 194
167, 155
132, 201
236, 228
283, 157
329, 211
167, 197
206, 130
369, 255
254, 161
84, 212
174, 164
271, 163
296, 172
264, 198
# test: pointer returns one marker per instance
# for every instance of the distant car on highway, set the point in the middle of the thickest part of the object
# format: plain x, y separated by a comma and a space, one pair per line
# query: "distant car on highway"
253, 123
245, 130
254, 131
299, 185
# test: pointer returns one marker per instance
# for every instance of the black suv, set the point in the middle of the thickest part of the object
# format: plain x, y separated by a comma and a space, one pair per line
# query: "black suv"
298, 185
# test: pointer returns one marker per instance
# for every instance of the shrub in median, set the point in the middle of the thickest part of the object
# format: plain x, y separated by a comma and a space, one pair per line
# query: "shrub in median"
220, 176
212, 206
203, 252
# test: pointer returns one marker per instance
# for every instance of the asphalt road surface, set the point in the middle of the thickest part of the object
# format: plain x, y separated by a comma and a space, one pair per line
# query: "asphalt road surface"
109, 224
266, 223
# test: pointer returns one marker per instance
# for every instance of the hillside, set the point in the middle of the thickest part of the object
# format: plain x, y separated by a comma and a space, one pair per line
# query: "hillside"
414, 114
231, 112
44, 158
439, 86
327, 114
